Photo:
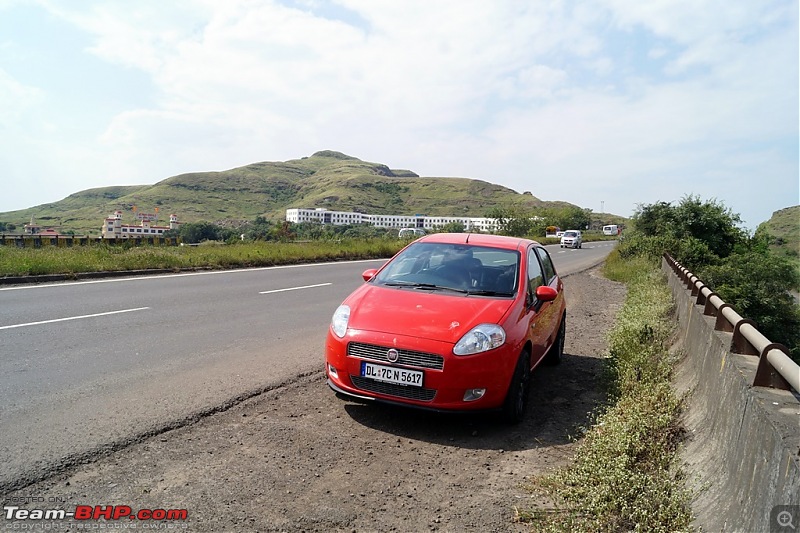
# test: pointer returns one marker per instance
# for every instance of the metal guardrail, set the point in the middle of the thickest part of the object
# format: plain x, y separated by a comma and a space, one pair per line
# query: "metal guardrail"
775, 368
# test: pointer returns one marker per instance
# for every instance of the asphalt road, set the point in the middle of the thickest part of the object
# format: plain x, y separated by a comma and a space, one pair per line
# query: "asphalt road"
91, 366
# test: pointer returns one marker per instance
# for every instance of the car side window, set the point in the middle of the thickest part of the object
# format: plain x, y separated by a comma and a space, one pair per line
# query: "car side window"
547, 264
535, 277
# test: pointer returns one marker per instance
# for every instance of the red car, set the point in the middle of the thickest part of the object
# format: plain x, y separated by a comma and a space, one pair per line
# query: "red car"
453, 322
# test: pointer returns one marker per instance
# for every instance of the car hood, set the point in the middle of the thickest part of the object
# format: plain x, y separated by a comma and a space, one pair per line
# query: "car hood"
441, 315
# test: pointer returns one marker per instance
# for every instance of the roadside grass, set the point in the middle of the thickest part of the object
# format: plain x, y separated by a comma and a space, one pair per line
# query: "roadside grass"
95, 258
118, 257
625, 474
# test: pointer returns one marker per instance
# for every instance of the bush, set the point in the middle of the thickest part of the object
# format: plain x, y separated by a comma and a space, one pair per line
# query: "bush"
709, 222
757, 284
705, 238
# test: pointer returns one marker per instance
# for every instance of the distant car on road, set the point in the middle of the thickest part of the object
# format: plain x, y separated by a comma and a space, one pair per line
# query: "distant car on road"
572, 239
410, 233
453, 322
611, 229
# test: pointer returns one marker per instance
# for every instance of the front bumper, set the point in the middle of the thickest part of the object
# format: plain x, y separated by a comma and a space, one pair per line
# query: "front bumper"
442, 389
343, 394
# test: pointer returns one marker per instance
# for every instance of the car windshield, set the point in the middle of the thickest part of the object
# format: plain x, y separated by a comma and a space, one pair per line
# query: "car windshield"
571, 234
474, 270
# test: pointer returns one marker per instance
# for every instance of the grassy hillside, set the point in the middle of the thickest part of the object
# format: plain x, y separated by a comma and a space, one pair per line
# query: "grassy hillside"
74, 211
325, 179
784, 230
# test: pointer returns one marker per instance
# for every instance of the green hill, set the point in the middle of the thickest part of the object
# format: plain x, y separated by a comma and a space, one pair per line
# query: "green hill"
784, 231
326, 179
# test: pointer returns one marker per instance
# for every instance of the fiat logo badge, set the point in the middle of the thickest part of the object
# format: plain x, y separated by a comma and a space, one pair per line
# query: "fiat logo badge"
392, 355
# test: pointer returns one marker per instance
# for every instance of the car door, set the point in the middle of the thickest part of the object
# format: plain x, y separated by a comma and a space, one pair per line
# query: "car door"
549, 314
536, 310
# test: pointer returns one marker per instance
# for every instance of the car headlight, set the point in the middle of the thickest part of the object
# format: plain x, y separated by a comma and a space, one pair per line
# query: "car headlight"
480, 339
339, 321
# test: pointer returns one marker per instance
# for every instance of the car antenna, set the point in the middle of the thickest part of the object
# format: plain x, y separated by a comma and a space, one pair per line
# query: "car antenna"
467, 241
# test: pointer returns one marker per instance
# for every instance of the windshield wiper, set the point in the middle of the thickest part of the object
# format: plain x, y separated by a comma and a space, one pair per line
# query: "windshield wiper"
489, 293
424, 286
411, 284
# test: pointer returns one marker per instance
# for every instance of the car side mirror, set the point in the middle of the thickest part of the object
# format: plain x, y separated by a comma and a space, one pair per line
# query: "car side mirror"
546, 294
369, 274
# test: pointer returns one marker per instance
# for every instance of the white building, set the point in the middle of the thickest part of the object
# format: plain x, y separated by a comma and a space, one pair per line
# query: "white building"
113, 228
324, 216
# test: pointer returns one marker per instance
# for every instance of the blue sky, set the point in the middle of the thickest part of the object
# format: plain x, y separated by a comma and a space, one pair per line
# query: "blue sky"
602, 103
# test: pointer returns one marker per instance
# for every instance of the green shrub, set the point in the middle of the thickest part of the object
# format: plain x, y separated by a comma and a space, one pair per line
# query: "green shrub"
756, 284
745, 271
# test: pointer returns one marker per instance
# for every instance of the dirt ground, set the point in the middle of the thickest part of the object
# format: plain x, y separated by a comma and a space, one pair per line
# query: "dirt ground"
300, 459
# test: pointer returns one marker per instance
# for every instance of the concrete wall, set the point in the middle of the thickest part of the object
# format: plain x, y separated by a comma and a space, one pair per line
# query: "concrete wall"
742, 453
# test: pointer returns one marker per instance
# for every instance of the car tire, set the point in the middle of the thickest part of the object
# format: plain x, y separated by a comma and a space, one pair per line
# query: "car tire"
516, 403
556, 353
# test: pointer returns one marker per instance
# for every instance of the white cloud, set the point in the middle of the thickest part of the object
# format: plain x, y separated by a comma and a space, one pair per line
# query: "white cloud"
16, 99
631, 100
690, 22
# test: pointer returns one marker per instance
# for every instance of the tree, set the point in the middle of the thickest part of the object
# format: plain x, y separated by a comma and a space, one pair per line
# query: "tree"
364, 231
258, 230
311, 230
756, 283
195, 232
512, 221
654, 219
283, 232
572, 218
691, 226
705, 236
452, 227
711, 222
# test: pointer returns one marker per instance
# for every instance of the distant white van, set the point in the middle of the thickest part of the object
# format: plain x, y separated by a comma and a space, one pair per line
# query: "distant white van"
611, 229
410, 233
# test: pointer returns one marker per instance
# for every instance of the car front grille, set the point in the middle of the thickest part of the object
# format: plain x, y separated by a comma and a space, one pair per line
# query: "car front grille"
390, 389
405, 357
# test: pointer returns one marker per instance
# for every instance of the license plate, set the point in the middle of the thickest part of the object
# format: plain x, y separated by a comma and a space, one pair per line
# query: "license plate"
388, 374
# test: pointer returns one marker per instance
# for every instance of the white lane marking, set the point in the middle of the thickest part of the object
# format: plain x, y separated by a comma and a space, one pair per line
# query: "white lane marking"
73, 318
296, 288
186, 274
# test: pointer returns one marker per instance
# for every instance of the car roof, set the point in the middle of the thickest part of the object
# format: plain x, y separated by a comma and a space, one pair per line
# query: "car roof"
479, 239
